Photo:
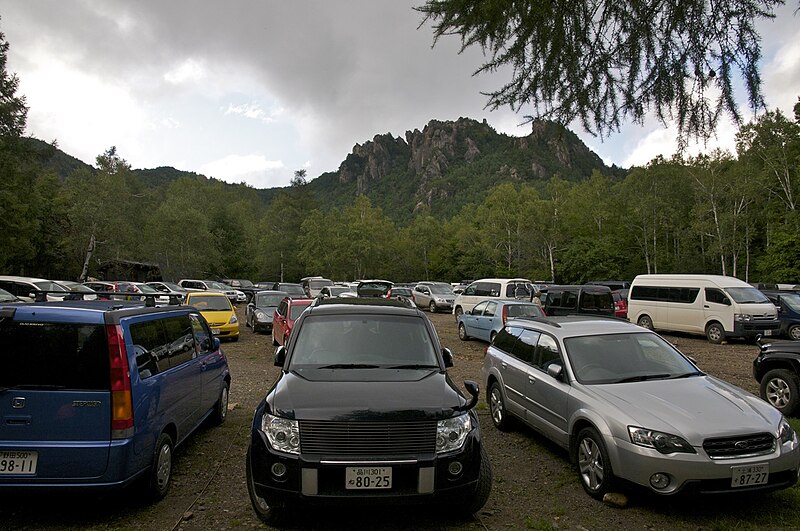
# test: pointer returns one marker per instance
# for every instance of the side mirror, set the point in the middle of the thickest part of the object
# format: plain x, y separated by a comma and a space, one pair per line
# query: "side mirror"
555, 370
447, 355
473, 390
726, 301
280, 356
215, 343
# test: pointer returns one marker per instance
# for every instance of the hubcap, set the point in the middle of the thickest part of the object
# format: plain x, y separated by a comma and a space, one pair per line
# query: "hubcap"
778, 393
590, 464
164, 465
496, 404
223, 402
794, 333
714, 333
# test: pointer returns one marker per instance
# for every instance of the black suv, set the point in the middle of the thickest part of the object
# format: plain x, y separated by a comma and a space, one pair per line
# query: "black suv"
364, 410
777, 369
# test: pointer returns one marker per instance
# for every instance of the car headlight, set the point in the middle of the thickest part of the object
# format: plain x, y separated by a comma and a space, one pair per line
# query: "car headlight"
261, 316
439, 299
283, 434
742, 317
451, 433
665, 443
233, 320
785, 432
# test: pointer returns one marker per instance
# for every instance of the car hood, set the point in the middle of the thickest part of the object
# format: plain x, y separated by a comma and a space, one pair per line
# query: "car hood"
365, 394
695, 408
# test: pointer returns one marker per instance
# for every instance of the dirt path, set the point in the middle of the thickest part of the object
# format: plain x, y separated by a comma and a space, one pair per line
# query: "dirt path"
535, 487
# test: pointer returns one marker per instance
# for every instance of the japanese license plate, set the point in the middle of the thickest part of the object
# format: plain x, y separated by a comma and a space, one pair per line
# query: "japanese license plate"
18, 462
767, 332
215, 331
368, 477
743, 476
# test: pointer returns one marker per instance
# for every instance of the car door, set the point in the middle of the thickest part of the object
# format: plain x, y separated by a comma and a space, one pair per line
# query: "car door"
422, 296
509, 368
471, 320
485, 321
547, 396
517, 370
279, 321
211, 362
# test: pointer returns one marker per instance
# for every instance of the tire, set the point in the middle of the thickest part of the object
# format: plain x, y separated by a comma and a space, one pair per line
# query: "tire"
473, 503
462, 332
780, 388
221, 407
458, 312
432, 307
269, 513
794, 332
492, 335
497, 408
645, 322
274, 341
253, 328
594, 467
158, 480
715, 333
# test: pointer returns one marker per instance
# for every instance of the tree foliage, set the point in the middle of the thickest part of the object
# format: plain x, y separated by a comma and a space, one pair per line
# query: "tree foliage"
604, 62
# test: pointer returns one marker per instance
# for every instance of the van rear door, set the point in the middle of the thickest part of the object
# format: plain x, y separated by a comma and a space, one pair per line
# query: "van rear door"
55, 401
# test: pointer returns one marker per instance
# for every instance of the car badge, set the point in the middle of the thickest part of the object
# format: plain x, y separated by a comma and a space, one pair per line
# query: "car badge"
741, 445
18, 402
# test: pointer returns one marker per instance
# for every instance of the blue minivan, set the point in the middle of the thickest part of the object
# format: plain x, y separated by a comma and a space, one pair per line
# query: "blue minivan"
99, 393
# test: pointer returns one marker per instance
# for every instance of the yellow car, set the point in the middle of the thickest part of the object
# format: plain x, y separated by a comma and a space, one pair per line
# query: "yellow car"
218, 311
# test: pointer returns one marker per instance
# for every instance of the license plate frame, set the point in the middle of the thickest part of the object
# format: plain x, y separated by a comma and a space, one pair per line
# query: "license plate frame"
368, 478
18, 462
749, 475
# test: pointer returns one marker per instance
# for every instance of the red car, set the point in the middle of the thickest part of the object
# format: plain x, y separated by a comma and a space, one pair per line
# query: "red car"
620, 303
283, 320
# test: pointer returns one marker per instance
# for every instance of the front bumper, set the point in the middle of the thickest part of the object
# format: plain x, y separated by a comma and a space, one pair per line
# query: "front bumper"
225, 331
320, 479
698, 472
755, 328
263, 326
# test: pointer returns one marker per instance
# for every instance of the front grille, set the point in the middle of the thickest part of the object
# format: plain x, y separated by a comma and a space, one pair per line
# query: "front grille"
739, 446
365, 439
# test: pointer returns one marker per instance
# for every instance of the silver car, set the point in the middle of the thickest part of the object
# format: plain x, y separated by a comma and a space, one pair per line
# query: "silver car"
627, 405
434, 296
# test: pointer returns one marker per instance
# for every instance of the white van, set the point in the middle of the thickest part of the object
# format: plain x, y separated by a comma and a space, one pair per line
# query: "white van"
717, 306
491, 288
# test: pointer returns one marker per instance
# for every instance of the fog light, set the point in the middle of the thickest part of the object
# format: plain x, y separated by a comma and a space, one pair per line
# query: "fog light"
278, 470
659, 481
455, 468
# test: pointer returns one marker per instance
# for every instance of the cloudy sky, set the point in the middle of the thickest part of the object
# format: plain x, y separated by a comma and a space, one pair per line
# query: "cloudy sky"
250, 91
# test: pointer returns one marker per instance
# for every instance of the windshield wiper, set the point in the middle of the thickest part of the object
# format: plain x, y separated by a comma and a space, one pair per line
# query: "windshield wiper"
644, 377
349, 366
414, 366
686, 375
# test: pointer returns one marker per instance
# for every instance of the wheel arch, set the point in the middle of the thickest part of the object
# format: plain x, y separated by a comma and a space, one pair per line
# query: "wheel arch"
587, 419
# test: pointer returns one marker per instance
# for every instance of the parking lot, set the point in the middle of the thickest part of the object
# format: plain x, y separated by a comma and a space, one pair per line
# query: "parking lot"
534, 484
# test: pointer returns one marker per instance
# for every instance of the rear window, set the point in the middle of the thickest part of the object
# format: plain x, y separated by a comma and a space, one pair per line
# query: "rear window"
296, 309
524, 310
53, 356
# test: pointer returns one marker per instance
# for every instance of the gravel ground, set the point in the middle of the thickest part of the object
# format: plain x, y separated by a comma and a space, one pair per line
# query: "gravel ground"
535, 486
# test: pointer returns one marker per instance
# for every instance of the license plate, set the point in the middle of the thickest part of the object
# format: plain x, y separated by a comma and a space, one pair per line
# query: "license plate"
767, 332
215, 331
368, 477
17, 463
743, 476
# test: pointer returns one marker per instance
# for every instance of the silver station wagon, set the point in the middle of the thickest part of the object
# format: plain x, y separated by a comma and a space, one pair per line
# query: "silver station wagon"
627, 405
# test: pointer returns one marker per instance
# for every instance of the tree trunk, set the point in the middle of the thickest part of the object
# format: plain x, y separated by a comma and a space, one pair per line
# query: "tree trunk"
89, 253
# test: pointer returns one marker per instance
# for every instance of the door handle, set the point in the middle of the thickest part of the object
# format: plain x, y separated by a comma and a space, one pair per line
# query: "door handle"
503, 365
705, 306
531, 379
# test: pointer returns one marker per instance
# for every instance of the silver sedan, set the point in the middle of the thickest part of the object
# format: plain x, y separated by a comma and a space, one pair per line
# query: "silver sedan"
628, 405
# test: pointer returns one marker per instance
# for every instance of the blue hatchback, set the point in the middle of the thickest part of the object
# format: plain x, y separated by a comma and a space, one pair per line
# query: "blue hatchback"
99, 393
488, 317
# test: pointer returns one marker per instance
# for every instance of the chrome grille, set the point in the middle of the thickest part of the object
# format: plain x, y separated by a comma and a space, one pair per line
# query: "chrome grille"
739, 446
365, 439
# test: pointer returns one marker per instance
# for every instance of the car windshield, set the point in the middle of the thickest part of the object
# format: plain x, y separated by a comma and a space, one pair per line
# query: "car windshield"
173, 286
405, 292
441, 289
46, 285
338, 290
219, 285
144, 288
245, 284
6, 296
319, 283
211, 303
792, 300
294, 290
621, 358
269, 300
524, 310
297, 308
338, 341
747, 295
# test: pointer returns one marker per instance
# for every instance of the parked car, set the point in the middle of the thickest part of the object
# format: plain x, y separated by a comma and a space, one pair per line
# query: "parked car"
171, 290
243, 286
218, 311
716, 306
79, 291
627, 405
97, 394
434, 296
403, 294
313, 285
29, 289
374, 288
102, 288
777, 370
208, 285
578, 300
145, 290
284, 317
788, 305
620, 303
363, 411
261, 309
294, 290
336, 291
613, 285
488, 317
495, 288
6, 296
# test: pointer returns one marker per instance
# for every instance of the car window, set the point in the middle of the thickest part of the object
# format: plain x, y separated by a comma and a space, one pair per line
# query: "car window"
792, 300
546, 352
282, 308
569, 299
523, 310
715, 295
491, 307
354, 339
202, 336
296, 309
471, 290
180, 339
505, 339
525, 347
478, 309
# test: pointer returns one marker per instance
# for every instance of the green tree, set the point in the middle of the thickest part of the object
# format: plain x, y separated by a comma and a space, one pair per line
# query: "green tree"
603, 62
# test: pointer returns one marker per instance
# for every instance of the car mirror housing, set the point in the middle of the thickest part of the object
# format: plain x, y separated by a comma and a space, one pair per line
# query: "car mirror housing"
447, 355
555, 370
280, 356
474, 390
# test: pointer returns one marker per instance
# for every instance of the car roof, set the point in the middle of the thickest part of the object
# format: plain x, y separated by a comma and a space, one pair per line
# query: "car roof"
362, 305
500, 280
577, 325
194, 294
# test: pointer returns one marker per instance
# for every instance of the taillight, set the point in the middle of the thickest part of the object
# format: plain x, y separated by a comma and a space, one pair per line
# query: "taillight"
505, 314
121, 401
388, 294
